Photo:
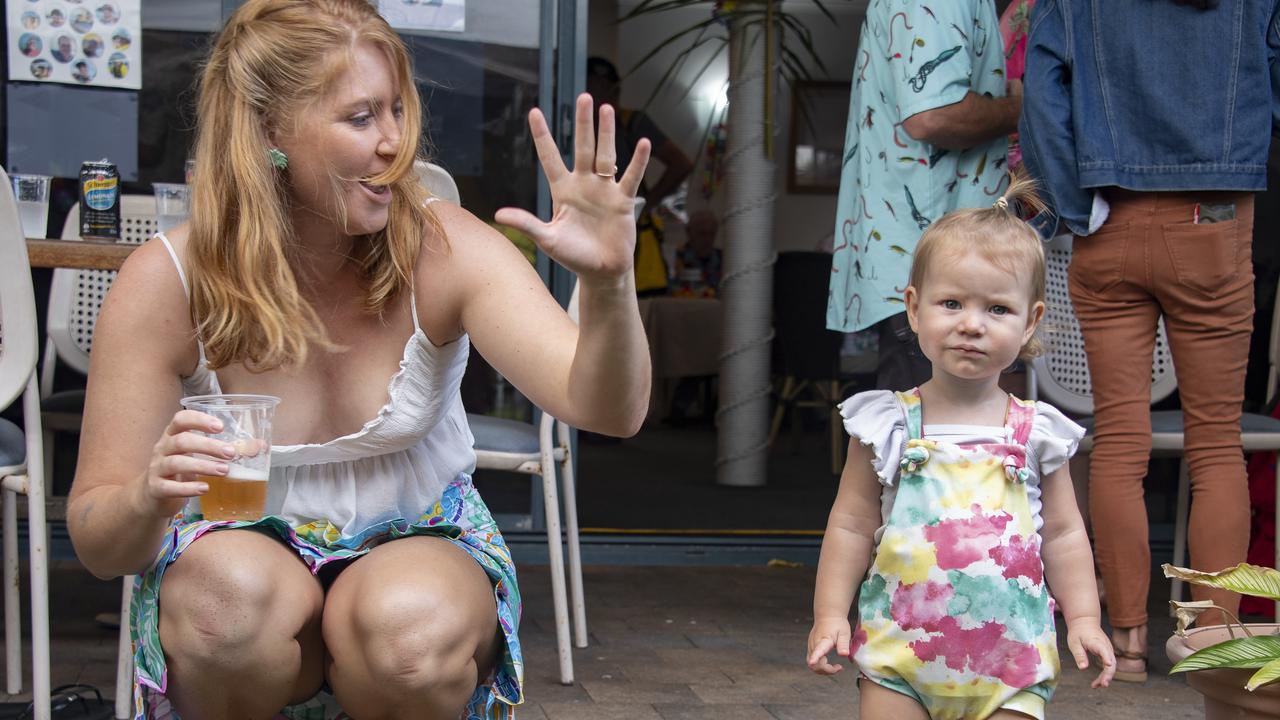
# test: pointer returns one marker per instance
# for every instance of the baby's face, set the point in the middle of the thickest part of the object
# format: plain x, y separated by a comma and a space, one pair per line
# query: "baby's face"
972, 316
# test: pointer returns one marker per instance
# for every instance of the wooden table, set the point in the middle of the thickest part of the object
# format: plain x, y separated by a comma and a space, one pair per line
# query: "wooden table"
79, 254
684, 341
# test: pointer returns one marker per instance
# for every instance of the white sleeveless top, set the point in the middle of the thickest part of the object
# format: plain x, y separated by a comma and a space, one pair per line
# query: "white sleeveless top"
394, 467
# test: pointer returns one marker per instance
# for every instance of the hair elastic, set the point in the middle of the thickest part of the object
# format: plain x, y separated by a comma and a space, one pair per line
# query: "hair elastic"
1001, 203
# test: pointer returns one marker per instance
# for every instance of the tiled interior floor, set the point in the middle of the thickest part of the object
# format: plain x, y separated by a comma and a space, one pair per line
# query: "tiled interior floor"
669, 643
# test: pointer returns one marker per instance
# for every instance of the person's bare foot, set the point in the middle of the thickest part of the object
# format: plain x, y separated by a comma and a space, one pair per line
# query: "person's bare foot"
1131, 653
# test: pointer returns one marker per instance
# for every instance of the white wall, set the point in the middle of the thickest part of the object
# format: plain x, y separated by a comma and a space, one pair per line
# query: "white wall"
801, 222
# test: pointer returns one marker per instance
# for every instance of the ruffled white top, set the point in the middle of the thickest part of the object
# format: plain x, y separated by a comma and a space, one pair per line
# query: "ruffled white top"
879, 422
396, 466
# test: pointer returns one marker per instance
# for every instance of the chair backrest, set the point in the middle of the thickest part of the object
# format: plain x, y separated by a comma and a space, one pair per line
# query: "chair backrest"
76, 295
1062, 373
807, 349
18, 339
437, 181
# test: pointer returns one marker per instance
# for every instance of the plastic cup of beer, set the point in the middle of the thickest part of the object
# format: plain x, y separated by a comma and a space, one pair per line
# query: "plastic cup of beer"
246, 425
32, 194
173, 205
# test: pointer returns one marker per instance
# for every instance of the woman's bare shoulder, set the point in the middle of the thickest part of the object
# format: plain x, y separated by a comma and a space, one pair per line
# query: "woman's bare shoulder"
148, 302
472, 257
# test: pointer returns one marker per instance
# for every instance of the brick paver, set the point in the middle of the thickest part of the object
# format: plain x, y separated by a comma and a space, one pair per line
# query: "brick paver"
667, 643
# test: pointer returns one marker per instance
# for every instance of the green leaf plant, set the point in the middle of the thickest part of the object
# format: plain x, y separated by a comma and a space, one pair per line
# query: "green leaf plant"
1253, 652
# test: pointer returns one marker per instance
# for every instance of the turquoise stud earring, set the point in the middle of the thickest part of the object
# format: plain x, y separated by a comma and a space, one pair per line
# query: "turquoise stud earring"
278, 159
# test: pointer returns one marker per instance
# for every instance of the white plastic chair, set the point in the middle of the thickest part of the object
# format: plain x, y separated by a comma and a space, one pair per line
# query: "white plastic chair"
75, 296
74, 299
515, 446
22, 459
1062, 375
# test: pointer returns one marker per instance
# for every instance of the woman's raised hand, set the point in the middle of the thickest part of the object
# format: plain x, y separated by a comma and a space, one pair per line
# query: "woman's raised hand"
592, 230
171, 475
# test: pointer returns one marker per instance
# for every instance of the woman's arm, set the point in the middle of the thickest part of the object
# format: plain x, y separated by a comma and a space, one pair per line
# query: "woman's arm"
594, 375
121, 501
846, 554
1068, 566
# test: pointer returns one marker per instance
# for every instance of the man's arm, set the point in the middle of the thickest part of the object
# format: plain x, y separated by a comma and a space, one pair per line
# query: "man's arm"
676, 167
959, 126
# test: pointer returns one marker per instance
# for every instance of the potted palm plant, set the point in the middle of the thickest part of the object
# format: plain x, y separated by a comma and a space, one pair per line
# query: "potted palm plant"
1235, 666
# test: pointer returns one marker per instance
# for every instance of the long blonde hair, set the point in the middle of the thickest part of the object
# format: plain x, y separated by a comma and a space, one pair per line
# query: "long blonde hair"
998, 234
272, 62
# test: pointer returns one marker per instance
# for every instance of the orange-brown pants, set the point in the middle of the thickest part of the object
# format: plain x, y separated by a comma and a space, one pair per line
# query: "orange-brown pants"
1150, 259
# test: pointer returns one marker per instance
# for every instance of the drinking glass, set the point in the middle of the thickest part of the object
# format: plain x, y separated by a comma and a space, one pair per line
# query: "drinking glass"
32, 194
246, 425
173, 205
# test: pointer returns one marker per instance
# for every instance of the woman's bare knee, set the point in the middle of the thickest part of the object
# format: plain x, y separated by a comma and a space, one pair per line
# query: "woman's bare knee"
411, 628
214, 603
241, 635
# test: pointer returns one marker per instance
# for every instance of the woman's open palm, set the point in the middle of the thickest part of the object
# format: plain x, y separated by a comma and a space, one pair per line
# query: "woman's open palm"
592, 229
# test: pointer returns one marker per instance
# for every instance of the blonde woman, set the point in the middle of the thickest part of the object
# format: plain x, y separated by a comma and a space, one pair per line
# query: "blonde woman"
315, 269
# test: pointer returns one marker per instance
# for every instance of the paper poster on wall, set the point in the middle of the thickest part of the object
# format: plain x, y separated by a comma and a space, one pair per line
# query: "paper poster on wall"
78, 42
439, 15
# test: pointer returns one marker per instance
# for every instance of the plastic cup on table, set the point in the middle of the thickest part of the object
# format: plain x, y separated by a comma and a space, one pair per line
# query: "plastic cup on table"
173, 205
32, 194
246, 425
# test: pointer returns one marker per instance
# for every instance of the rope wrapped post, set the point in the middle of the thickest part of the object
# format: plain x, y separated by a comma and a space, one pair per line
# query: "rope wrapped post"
747, 287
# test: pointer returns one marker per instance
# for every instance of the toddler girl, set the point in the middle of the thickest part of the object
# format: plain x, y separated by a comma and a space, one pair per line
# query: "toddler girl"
955, 509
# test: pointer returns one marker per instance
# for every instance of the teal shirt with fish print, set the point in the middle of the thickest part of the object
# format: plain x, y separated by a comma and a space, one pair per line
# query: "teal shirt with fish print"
913, 56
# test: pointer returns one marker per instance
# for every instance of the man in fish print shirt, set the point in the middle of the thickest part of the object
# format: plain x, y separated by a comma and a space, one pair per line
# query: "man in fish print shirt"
928, 121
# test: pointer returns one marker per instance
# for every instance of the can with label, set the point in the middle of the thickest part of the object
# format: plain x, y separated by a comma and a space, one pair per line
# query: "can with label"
100, 200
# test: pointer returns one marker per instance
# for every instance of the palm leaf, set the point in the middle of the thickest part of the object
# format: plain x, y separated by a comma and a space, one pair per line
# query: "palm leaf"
647, 7
1244, 578
1268, 674
1250, 652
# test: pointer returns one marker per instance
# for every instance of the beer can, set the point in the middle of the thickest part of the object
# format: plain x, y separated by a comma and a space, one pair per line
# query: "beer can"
100, 200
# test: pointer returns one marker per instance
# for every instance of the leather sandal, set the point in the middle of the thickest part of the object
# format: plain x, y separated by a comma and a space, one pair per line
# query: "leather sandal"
1131, 676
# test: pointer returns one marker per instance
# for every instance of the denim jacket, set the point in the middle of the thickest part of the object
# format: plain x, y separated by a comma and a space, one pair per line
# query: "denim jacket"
1147, 95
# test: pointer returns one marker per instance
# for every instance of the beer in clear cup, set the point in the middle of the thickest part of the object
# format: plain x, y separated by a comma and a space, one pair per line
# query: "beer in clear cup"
241, 494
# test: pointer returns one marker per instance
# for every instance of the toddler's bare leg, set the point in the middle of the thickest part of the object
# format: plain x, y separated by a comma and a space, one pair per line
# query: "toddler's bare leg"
875, 701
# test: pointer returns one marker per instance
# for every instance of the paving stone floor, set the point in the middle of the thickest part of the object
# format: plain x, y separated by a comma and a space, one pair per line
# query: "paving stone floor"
667, 643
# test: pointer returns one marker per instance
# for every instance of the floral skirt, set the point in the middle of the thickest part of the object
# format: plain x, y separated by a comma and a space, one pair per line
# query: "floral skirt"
460, 517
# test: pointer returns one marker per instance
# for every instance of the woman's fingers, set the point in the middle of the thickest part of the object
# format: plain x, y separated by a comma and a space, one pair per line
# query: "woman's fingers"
584, 136
631, 179
548, 153
606, 144
169, 489
177, 465
522, 220
185, 420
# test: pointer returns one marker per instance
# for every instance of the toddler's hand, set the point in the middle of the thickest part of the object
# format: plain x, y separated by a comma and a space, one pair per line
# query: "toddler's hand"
1086, 636
828, 635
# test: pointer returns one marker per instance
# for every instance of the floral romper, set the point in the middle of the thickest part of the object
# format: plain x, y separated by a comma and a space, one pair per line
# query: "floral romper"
954, 611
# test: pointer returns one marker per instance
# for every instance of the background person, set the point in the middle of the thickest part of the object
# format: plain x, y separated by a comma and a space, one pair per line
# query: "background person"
315, 269
633, 126
928, 120
1156, 186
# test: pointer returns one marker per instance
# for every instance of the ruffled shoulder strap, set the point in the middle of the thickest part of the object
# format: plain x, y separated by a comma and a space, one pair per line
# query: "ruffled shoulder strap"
878, 419
1019, 419
1054, 438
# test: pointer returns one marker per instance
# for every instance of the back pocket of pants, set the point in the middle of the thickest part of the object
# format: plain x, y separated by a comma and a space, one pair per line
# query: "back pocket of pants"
1097, 260
1205, 257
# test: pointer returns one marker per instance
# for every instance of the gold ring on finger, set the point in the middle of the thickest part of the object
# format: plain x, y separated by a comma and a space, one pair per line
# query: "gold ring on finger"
610, 174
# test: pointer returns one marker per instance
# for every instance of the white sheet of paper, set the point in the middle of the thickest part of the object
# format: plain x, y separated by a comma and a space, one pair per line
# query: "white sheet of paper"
439, 15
